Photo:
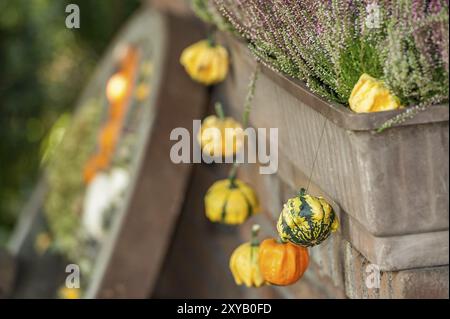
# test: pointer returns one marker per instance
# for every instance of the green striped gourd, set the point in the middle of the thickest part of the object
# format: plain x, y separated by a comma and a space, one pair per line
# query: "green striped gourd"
306, 220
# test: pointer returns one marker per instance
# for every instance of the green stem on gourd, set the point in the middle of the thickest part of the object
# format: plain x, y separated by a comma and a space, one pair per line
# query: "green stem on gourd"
219, 110
232, 174
211, 37
254, 242
254, 239
302, 192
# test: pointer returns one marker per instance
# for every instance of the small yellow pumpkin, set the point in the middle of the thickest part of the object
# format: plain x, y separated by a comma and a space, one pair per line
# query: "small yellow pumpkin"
205, 62
220, 136
230, 201
371, 95
244, 262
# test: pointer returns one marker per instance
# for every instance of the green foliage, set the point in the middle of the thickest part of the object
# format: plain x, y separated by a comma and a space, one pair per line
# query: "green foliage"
63, 206
200, 7
208, 13
44, 66
54, 137
415, 55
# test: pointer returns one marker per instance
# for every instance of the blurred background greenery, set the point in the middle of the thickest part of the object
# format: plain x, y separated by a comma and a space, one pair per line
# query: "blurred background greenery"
43, 67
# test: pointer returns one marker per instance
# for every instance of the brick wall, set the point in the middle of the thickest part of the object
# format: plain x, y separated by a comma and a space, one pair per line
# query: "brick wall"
337, 269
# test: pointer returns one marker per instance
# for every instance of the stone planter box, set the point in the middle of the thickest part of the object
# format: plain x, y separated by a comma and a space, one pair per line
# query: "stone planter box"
391, 188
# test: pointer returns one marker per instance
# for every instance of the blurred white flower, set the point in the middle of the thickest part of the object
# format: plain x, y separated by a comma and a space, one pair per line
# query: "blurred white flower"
119, 178
103, 192
373, 18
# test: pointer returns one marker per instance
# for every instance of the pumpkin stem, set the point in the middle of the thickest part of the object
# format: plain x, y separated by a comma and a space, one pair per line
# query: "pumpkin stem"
255, 231
254, 242
219, 110
302, 191
232, 174
211, 38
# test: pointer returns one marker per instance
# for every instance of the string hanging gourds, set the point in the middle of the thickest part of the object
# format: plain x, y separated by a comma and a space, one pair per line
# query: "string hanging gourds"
231, 201
306, 220
244, 262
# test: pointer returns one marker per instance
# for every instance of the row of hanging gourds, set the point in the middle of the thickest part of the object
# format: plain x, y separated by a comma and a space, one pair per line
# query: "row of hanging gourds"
305, 220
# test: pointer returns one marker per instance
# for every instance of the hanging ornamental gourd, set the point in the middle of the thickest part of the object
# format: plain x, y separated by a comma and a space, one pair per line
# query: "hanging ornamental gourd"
230, 201
244, 262
205, 62
219, 135
282, 263
306, 220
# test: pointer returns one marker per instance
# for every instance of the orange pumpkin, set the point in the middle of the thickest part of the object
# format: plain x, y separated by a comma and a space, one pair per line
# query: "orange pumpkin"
90, 169
117, 111
96, 163
103, 160
282, 263
109, 136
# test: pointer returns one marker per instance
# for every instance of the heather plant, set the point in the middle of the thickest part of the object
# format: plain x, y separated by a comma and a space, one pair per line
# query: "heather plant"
208, 13
329, 44
324, 43
415, 54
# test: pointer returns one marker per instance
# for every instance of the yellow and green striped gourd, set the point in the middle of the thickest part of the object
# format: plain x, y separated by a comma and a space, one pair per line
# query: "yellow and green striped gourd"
306, 220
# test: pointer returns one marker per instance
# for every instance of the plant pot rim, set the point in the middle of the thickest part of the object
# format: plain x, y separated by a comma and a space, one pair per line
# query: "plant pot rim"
335, 112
